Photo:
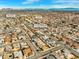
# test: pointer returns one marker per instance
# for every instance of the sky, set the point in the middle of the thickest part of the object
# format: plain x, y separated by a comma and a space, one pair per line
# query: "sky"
39, 3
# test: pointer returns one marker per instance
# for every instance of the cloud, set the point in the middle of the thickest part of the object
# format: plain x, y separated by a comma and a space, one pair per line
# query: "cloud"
67, 1
30, 1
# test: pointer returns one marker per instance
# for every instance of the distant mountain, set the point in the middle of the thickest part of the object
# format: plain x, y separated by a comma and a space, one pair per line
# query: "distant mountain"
64, 9
43, 10
54, 9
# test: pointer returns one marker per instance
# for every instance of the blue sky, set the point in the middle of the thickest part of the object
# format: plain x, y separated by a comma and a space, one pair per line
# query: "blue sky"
39, 3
